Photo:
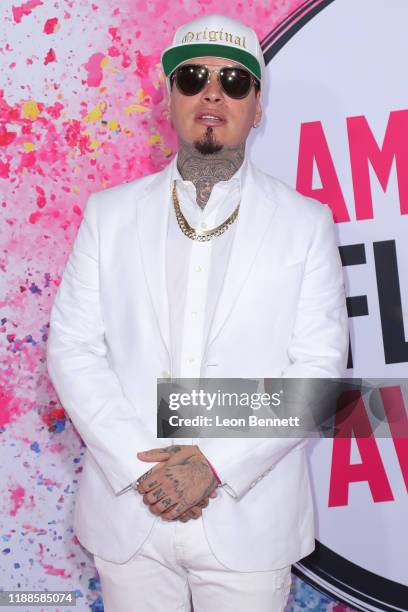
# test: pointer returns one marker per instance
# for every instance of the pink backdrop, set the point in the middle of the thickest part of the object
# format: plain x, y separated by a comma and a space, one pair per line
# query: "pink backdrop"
81, 108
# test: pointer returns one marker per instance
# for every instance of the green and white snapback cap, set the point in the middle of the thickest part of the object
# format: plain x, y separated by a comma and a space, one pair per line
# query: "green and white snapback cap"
216, 36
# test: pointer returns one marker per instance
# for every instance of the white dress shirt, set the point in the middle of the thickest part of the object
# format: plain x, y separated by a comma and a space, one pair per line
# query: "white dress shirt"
195, 272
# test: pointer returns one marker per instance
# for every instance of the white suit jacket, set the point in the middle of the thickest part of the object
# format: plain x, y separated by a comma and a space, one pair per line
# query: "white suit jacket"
281, 312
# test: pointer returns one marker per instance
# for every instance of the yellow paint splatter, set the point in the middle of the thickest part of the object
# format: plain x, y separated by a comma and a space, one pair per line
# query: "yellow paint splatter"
113, 70
135, 108
154, 139
95, 144
29, 146
113, 124
75, 189
96, 113
30, 110
140, 95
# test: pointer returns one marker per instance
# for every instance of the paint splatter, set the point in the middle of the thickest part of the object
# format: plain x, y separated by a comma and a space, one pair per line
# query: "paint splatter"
25, 9
50, 25
94, 69
50, 57
17, 495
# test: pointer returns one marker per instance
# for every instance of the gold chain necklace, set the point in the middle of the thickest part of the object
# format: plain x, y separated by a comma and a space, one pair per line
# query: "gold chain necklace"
203, 235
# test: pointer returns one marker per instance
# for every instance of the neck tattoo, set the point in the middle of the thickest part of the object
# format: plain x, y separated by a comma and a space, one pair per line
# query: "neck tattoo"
204, 169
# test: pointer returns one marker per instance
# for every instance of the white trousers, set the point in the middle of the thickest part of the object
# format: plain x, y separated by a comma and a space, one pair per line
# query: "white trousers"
175, 569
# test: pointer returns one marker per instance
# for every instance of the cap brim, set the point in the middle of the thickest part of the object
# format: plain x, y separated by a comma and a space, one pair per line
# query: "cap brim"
174, 56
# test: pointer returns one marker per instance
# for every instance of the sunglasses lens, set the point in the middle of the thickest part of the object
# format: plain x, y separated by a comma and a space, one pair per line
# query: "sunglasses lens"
191, 79
236, 82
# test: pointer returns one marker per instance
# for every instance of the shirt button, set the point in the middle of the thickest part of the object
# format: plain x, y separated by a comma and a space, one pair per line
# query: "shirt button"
204, 226
191, 359
165, 374
194, 313
199, 268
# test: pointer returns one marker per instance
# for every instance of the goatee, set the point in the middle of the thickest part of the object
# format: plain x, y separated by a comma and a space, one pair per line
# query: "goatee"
208, 144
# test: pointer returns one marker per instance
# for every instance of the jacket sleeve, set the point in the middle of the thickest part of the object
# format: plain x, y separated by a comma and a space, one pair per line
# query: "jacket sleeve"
318, 349
77, 362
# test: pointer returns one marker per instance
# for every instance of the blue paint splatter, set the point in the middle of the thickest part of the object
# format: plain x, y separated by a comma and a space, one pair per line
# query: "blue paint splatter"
58, 426
94, 584
35, 447
35, 288
97, 605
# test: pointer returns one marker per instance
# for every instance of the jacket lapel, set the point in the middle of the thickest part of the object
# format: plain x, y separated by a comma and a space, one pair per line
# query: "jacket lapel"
153, 214
256, 211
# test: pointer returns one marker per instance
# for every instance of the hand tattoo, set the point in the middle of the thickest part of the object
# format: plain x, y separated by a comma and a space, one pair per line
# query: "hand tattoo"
183, 482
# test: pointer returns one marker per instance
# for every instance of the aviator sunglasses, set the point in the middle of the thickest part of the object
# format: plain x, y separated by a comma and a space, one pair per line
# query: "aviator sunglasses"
236, 82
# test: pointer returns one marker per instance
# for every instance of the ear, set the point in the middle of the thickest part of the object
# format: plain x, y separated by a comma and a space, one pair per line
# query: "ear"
258, 110
169, 112
168, 105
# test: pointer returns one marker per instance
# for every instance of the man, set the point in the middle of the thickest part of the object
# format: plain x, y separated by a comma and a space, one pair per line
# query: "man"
208, 268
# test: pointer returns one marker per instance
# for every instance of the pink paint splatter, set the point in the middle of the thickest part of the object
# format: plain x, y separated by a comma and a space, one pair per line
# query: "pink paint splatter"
24, 9
114, 32
32, 529
4, 169
55, 571
48, 482
41, 199
17, 498
8, 406
55, 110
56, 448
50, 57
7, 112
50, 25
113, 51
143, 63
6, 137
94, 68
34, 217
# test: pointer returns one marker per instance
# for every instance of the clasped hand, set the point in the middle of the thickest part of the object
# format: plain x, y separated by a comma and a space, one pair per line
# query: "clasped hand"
181, 483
